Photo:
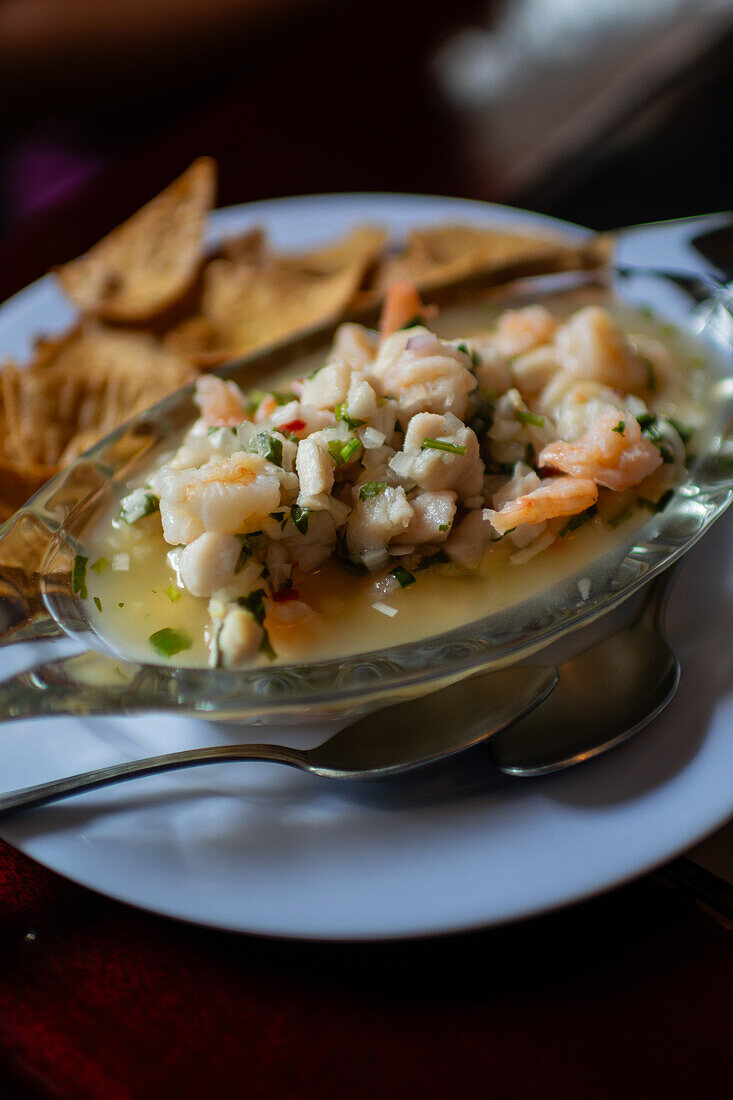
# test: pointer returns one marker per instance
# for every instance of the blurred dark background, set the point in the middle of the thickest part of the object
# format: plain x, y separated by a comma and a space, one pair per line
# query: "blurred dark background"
606, 112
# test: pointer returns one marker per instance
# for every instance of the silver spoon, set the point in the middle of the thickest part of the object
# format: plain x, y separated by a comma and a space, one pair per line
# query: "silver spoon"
386, 743
605, 694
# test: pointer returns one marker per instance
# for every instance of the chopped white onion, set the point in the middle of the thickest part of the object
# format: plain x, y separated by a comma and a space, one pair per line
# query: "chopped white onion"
121, 563
584, 587
401, 464
421, 341
371, 438
375, 558
385, 609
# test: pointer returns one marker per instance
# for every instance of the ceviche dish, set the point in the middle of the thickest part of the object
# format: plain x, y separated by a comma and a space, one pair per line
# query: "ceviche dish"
414, 479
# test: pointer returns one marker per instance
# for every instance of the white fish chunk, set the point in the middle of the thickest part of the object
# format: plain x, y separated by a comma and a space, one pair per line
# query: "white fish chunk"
207, 564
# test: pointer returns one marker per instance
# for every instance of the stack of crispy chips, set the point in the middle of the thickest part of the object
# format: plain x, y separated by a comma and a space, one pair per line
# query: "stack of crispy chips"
155, 309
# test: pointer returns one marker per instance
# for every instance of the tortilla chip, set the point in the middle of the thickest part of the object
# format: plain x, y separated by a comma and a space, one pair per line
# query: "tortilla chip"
364, 244
249, 307
90, 381
249, 247
438, 254
148, 262
199, 343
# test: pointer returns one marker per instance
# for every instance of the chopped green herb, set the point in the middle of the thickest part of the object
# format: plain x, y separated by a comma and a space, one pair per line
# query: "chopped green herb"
341, 412
349, 449
647, 312
269, 448
98, 603
651, 378
279, 517
341, 452
313, 373
620, 427
416, 320
622, 517
221, 428
121, 604
300, 517
255, 604
168, 642
79, 576
266, 646
444, 527
683, 430
371, 489
577, 521
443, 445
402, 576
438, 558
173, 593
253, 540
132, 510
529, 418
250, 543
650, 428
99, 565
472, 355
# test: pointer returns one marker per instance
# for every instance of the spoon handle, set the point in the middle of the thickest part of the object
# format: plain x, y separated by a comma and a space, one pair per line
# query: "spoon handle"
27, 797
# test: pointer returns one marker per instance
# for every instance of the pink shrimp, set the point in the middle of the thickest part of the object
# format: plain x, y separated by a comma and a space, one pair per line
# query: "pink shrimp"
222, 403
612, 452
400, 306
521, 330
555, 496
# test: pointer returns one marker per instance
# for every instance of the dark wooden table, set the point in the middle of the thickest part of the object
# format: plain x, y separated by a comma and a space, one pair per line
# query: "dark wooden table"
629, 994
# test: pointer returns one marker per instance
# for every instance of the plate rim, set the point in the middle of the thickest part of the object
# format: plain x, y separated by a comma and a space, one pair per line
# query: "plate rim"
420, 928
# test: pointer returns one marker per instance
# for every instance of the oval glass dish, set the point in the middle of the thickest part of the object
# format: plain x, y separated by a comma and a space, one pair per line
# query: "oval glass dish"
38, 546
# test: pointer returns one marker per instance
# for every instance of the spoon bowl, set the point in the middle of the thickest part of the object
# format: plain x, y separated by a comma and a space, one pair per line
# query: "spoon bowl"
605, 694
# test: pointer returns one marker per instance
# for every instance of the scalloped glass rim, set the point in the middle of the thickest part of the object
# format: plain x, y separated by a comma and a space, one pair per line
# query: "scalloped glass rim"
101, 681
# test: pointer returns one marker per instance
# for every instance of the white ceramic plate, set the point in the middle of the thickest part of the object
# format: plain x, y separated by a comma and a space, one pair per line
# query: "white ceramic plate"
260, 848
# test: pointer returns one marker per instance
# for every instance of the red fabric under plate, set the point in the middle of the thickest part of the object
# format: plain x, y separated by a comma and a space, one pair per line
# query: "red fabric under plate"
98, 1000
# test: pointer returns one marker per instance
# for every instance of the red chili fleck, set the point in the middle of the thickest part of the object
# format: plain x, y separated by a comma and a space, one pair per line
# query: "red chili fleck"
286, 594
293, 426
